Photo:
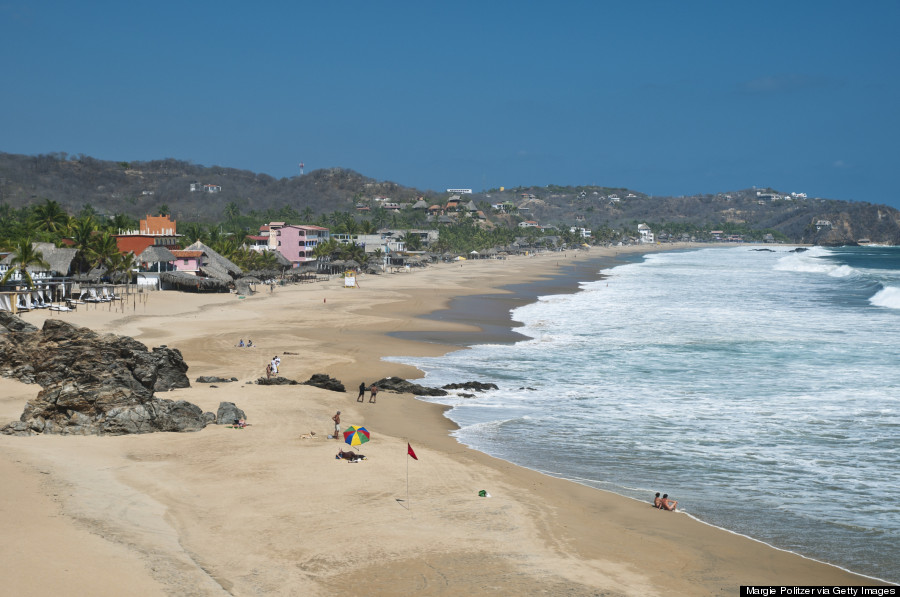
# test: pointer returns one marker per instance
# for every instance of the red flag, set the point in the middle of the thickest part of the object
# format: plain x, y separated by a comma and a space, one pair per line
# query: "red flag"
409, 452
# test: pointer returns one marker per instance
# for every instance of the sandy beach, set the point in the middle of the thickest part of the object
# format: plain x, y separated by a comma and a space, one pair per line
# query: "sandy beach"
267, 510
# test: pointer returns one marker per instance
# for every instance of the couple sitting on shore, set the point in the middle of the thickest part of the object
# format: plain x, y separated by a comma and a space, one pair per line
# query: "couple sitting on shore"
664, 503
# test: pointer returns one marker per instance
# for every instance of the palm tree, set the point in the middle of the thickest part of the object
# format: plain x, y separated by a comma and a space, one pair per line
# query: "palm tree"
367, 227
25, 256
103, 250
306, 215
232, 211
120, 265
81, 231
50, 217
120, 222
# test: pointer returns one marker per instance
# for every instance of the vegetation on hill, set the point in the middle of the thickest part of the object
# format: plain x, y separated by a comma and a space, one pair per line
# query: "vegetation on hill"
56, 196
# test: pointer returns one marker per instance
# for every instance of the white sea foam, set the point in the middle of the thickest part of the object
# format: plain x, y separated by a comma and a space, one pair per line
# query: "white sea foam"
708, 374
887, 297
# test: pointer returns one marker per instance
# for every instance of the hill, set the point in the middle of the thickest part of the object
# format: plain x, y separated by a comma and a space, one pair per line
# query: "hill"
138, 188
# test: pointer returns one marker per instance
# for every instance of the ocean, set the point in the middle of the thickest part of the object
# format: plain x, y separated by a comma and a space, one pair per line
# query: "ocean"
758, 386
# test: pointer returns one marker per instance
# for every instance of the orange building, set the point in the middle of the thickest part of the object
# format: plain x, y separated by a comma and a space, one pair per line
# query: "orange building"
154, 231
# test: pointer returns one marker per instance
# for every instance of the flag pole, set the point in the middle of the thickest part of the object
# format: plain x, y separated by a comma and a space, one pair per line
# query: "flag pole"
407, 475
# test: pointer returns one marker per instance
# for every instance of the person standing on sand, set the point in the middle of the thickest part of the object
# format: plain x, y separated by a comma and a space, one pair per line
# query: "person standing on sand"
269, 371
362, 392
374, 392
337, 425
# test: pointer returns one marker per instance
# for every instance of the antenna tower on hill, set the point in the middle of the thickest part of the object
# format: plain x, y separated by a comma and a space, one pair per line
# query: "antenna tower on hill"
301, 168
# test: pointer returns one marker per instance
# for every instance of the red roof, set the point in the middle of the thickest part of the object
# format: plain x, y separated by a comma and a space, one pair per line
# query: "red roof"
187, 254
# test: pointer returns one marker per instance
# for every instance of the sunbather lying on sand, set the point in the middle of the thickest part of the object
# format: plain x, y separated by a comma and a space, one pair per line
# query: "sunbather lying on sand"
351, 456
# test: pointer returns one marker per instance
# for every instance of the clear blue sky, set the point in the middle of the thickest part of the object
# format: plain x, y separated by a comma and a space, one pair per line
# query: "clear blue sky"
662, 97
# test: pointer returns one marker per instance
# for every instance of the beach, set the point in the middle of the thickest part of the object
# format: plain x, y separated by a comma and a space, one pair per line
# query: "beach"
267, 510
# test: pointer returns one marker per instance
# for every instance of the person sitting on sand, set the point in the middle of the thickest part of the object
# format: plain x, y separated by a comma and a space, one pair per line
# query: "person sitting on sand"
241, 343
667, 504
657, 501
249, 343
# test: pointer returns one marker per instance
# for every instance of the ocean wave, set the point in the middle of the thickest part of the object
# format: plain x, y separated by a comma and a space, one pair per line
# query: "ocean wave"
810, 262
888, 297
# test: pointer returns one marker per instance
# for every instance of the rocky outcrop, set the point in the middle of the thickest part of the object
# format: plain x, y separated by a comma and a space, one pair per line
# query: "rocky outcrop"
326, 382
95, 384
471, 385
228, 414
276, 381
401, 386
214, 379
14, 323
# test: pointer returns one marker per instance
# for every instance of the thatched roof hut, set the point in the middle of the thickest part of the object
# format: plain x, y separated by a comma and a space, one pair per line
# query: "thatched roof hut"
155, 254
215, 265
59, 258
186, 281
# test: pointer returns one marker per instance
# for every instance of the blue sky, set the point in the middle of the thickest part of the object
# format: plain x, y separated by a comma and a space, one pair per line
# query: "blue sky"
663, 97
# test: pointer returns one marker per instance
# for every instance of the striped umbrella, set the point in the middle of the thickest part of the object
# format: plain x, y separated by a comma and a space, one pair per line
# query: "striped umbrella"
355, 436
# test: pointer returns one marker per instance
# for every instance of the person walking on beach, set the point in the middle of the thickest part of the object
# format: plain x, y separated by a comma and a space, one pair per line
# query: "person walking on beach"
337, 425
362, 392
374, 392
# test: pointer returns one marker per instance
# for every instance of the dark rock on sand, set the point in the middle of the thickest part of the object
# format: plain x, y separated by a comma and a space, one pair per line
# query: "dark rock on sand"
214, 379
14, 323
276, 381
326, 382
471, 385
228, 413
95, 384
401, 386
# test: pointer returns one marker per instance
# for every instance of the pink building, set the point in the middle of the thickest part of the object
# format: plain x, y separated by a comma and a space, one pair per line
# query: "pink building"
187, 261
295, 243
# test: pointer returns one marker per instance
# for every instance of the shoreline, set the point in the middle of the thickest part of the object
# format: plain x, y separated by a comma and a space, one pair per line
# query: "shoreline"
497, 317
287, 498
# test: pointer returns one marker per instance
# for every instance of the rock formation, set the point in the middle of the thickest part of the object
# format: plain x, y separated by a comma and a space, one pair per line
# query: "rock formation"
276, 381
471, 385
95, 384
401, 386
228, 414
214, 379
326, 382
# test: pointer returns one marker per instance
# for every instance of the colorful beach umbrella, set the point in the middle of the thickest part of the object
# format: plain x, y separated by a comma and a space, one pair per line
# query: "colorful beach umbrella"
355, 436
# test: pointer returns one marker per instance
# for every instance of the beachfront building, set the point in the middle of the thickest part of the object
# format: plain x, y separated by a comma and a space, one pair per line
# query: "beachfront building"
646, 234
153, 231
296, 243
187, 261
582, 232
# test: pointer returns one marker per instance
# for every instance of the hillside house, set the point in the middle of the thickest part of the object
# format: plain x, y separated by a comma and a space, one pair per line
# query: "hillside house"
646, 235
